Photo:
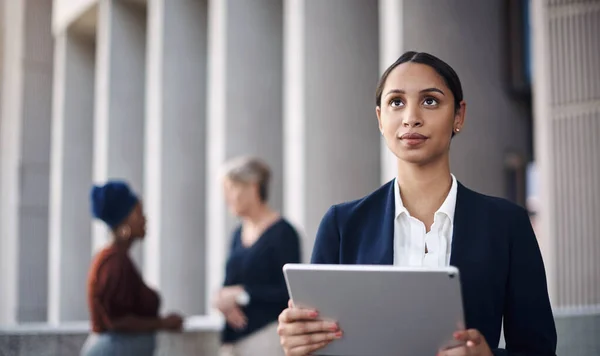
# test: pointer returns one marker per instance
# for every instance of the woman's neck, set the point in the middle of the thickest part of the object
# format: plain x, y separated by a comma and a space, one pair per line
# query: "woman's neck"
424, 188
258, 216
122, 244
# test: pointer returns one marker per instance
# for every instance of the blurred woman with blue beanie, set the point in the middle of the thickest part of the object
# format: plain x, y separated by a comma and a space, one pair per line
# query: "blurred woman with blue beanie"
123, 309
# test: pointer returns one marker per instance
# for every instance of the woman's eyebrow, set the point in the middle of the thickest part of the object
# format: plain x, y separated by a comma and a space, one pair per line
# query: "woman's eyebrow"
428, 90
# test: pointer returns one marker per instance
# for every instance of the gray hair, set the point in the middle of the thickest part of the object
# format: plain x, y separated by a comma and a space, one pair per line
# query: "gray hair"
249, 170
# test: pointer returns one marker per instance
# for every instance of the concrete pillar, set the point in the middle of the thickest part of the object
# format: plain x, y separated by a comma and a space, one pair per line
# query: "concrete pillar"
10, 150
2, 44
119, 104
567, 125
331, 141
71, 173
244, 107
175, 153
391, 47
496, 123
25, 159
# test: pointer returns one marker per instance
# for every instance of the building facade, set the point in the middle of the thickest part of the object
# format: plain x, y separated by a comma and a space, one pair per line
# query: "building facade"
161, 93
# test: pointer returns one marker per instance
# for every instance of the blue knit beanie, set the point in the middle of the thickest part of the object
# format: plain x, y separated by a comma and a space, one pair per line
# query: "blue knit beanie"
112, 202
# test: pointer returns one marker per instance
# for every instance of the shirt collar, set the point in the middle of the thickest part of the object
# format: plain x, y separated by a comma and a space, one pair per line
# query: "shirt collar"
447, 208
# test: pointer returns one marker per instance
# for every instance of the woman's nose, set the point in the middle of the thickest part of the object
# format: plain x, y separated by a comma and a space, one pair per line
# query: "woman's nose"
412, 118
412, 121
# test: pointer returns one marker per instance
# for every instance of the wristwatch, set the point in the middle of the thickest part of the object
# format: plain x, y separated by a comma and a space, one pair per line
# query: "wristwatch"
243, 299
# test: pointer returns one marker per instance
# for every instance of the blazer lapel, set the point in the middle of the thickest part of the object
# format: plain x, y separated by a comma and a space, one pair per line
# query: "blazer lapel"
388, 227
465, 226
374, 241
384, 246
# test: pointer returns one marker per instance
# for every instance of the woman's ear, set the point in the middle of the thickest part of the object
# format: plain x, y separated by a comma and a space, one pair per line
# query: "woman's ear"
378, 113
459, 117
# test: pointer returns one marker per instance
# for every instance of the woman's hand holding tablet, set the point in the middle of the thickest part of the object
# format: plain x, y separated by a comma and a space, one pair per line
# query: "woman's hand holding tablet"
302, 333
475, 345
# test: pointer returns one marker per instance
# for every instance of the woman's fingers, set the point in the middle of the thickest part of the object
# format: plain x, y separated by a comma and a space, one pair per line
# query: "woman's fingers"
296, 341
457, 351
306, 349
306, 327
468, 335
237, 318
301, 333
291, 315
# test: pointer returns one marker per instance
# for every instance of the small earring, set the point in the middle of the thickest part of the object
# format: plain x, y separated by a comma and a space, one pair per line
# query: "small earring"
126, 232
457, 129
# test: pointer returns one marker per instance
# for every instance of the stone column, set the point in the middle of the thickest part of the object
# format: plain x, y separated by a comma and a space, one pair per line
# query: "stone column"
25, 140
331, 140
391, 47
119, 104
71, 174
10, 150
175, 173
244, 107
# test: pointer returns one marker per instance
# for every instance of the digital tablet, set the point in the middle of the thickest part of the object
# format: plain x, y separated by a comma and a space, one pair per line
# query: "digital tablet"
382, 310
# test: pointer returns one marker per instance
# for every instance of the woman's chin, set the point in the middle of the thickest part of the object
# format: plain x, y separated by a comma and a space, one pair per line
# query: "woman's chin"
239, 213
417, 157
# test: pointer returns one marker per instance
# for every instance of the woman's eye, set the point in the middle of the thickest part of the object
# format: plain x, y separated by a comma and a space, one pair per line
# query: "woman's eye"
396, 103
430, 102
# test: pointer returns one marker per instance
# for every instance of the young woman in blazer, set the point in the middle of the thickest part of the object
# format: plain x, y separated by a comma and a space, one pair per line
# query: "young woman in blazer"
425, 217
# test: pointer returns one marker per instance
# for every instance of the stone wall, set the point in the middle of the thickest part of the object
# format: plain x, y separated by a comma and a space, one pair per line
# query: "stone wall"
199, 338
577, 336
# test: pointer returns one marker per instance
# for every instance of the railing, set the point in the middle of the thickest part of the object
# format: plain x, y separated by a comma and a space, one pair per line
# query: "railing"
200, 336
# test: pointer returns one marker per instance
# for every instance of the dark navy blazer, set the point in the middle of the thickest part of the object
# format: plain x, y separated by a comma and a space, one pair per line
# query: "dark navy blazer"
493, 246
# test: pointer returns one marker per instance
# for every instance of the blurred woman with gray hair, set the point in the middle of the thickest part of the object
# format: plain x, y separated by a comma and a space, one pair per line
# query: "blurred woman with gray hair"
254, 292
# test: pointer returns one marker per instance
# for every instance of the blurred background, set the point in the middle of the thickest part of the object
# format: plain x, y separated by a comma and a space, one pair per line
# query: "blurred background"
162, 92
